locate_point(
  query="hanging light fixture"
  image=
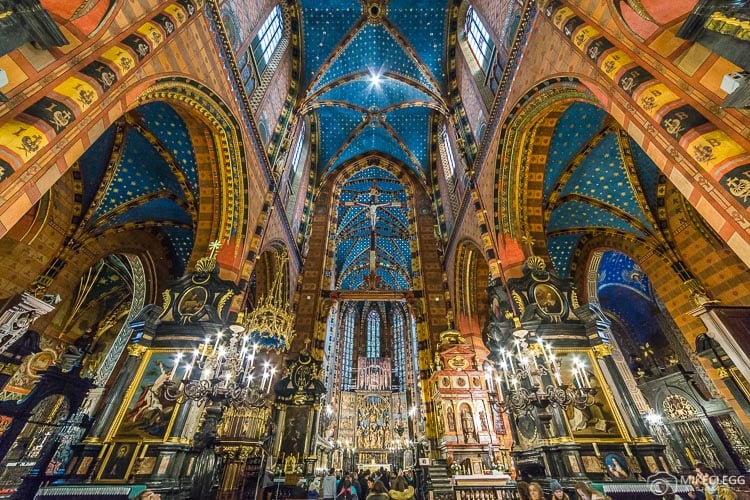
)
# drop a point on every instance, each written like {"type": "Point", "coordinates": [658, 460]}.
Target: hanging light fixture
{"type": "Point", "coordinates": [522, 371]}
{"type": "Point", "coordinates": [228, 373]}
{"type": "Point", "coordinates": [272, 320]}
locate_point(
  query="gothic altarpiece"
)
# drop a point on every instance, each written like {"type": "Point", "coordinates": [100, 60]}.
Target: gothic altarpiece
{"type": "Point", "coordinates": [373, 421]}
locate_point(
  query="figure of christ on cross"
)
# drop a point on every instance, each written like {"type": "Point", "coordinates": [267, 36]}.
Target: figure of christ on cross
{"type": "Point", "coordinates": [373, 205]}
{"type": "Point", "coordinates": [372, 211]}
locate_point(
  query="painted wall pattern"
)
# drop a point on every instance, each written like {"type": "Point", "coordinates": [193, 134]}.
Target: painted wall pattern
{"type": "Point", "coordinates": [717, 153]}
{"type": "Point", "coordinates": [25, 135]}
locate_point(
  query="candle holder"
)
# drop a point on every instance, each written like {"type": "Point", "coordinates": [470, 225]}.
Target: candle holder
{"type": "Point", "coordinates": [227, 374]}
{"type": "Point", "coordinates": [519, 386]}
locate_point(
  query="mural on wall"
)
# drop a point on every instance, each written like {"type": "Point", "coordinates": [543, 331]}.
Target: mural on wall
{"type": "Point", "coordinates": [148, 414]}
{"type": "Point", "coordinates": [86, 15]}
{"type": "Point", "coordinates": [27, 375]}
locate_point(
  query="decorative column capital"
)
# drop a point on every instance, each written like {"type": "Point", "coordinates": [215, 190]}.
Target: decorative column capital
{"type": "Point", "coordinates": [698, 293]}
{"type": "Point", "coordinates": [136, 350]}
{"type": "Point", "coordinates": [602, 350]}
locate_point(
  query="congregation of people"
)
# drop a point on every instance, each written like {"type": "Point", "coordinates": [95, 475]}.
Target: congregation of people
{"type": "Point", "coordinates": [386, 485]}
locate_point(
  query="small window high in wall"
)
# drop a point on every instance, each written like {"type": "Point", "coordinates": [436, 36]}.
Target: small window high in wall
{"type": "Point", "coordinates": [267, 39]}
{"type": "Point", "coordinates": [479, 40]}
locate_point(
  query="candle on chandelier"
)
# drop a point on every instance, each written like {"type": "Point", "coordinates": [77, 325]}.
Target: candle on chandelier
{"type": "Point", "coordinates": [252, 356]}
{"type": "Point", "coordinates": [544, 351]}
{"type": "Point", "coordinates": [577, 376]}
{"type": "Point", "coordinates": [585, 376]}
{"type": "Point", "coordinates": [270, 379]}
{"type": "Point", "coordinates": [500, 387]}
{"type": "Point", "coordinates": [189, 368]}
{"type": "Point", "coordinates": [205, 348]}
{"type": "Point", "coordinates": [176, 363]}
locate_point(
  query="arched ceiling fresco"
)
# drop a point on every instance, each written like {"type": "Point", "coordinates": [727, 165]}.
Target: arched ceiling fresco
{"type": "Point", "coordinates": [372, 240]}
{"type": "Point", "coordinates": [142, 173]}
{"type": "Point", "coordinates": [373, 73]}
{"type": "Point", "coordinates": [597, 181]}
{"type": "Point", "coordinates": [624, 292]}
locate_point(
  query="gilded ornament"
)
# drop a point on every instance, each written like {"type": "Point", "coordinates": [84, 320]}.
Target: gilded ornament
{"type": "Point", "coordinates": [602, 350]}
{"type": "Point", "coordinates": [536, 264]}
{"type": "Point", "coordinates": [136, 350]}
{"type": "Point", "coordinates": [519, 302]}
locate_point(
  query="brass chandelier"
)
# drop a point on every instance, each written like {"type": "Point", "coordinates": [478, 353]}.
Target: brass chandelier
{"type": "Point", "coordinates": [272, 320]}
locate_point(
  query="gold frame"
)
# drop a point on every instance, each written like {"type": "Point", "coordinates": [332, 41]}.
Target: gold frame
{"type": "Point", "coordinates": [589, 354]}
{"type": "Point", "coordinates": [130, 392]}
{"type": "Point", "coordinates": [108, 454]}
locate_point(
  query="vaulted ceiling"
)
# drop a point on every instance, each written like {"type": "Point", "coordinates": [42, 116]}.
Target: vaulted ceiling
{"type": "Point", "coordinates": [597, 181]}
{"type": "Point", "coordinates": [373, 74]}
{"type": "Point", "coordinates": [142, 173]}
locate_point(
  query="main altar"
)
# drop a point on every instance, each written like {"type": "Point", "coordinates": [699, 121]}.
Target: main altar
{"type": "Point", "coordinates": [372, 427]}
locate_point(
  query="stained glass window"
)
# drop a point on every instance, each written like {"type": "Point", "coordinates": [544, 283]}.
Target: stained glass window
{"type": "Point", "coordinates": [348, 350]}
{"type": "Point", "coordinates": [373, 334]}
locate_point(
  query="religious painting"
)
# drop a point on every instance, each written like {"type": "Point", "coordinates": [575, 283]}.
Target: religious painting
{"type": "Point", "coordinates": [598, 420]}
{"type": "Point", "coordinates": [148, 413]}
{"type": "Point", "coordinates": [192, 301]}
{"type": "Point", "coordinates": [548, 299]}
{"type": "Point", "coordinates": [617, 467]}
{"type": "Point", "coordinates": [83, 467]}
{"type": "Point", "coordinates": [527, 429]}
{"type": "Point", "coordinates": [573, 463]}
{"type": "Point", "coordinates": [164, 462]}
{"type": "Point", "coordinates": [118, 461]}
{"type": "Point", "coordinates": [295, 429]}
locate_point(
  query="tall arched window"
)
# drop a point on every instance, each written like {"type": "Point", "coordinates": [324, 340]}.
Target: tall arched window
{"type": "Point", "coordinates": [399, 348]}
{"type": "Point", "coordinates": [373, 334]}
{"type": "Point", "coordinates": [348, 350]}
{"type": "Point", "coordinates": [479, 40]}
{"type": "Point", "coordinates": [449, 167]}
{"type": "Point", "coordinates": [267, 39]}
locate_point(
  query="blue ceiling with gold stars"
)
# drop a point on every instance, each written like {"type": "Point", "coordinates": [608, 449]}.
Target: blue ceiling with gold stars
{"type": "Point", "coordinates": [625, 295]}
{"type": "Point", "coordinates": [597, 181]}
{"type": "Point", "coordinates": [372, 238]}
{"type": "Point", "coordinates": [373, 76]}
{"type": "Point", "coordinates": [142, 174]}
{"type": "Point", "coordinates": [373, 72]}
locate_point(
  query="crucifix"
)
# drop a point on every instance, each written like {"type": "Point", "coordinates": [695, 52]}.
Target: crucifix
{"type": "Point", "coordinates": [372, 211]}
